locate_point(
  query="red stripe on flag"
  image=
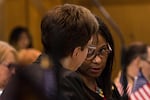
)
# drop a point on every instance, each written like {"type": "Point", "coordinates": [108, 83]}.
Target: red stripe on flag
{"type": "Point", "coordinates": [143, 93]}
{"type": "Point", "coordinates": [147, 90]}
{"type": "Point", "coordinates": [132, 97]}
{"type": "Point", "coordinates": [138, 95]}
{"type": "Point", "coordinates": [140, 92]}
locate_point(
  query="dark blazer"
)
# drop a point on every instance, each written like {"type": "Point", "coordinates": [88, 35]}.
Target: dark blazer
{"type": "Point", "coordinates": [73, 88]}
{"type": "Point", "coordinates": [32, 82]}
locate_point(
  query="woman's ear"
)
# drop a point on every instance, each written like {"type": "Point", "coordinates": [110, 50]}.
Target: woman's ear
{"type": "Point", "coordinates": [138, 61]}
{"type": "Point", "coordinates": [76, 52]}
{"type": "Point", "coordinates": [141, 63]}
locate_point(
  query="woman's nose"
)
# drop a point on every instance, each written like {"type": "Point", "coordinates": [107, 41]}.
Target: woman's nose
{"type": "Point", "coordinates": [97, 59]}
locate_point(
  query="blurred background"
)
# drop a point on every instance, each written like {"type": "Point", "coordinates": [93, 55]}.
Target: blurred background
{"type": "Point", "coordinates": [131, 16]}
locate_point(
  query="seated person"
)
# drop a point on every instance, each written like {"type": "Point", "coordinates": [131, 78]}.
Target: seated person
{"type": "Point", "coordinates": [141, 88]}
{"type": "Point", "coordinates": [28, 56]}
{"type": "Point", "coordinates": [20, 38]}
{"type": "Point", "coordinates": [131, 68]}
{"type": "Point", "coordinates": [8, 56]}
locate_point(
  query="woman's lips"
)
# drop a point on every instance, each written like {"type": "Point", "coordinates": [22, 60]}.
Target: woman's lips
{"type": "Point", "coordinates": [95, 70]}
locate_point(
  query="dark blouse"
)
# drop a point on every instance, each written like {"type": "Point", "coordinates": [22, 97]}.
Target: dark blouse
{"type": "Point", "coordinates": [73, 88]}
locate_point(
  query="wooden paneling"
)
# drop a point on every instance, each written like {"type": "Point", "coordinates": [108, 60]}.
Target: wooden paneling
{"type": "Point", "coordinates": [15, 14]}
{"type": "Point", "coordinates": [123, 2]}
{"type": "Point", "coordinates": [37, 8]}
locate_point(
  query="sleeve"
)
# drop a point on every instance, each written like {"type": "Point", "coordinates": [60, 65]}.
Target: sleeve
{"type": "Point", "coordinates": [70, 88]}
{"type": "Point", "coordinates": [22, 87]}
{"type": "Point", "coordinates": [11, 90]}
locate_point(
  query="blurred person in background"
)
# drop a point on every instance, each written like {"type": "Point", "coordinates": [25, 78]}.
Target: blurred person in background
{"type": "Point", "coordinates": [8, 56]}
{"type": "Point", "coordinates": [28, 56]}
{"type": "Point", "coordinates": [132, 65]}
{"type": "Point", "coordinates": [141, 88]}
{"type": "Point", "coordinates": [20, 38]}
{"type": "Point", "coordinates": [67, 33]}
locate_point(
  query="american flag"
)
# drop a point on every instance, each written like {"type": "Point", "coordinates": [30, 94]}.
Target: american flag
{"type": "Point", "coordinates": [141, 88]}
{"type": "Point", "coordinates": [143, 93]}
{"type": "Point", "coordinates": [140, 80]}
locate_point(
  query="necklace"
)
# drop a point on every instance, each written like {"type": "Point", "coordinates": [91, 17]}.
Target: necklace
{"type": "Point", "coordinates": [99, 91]}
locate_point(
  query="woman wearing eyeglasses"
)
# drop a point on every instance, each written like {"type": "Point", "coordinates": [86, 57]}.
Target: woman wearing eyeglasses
{"type": "Point", "coordinates": [8, 55]}
{"type": "Point", "coordinates": [93, 79]}
{"type": "Point", "coordinates": [97, 68]}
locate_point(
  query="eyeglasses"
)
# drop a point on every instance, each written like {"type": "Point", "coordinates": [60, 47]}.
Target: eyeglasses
{"type": "Point", "coordinates": [103, 51]}
{"type": "Point", "coordinates": [9, 66]}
